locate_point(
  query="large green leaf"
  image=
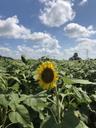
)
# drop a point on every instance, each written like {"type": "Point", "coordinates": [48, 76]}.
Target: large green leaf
{"type": "Point", "coordinates": [77, 81]}
{"type": "Point", "coordinates": [82, 125]}
{"type": "Point", "coordinates": [81, 95]}
{"type": "Point", "coordinates": [70, 120]}
{"type": "Point", "coordinates": [3, 83]}
{"type": "Point", "coordinates": [15, 87]}
{"type": "Point", "coordinates": [77, 94]}
{"type": "Point", "coordinates": [93, 97]}
{"type": "Point", "coordinates": [23, 112]}
{"type": "Point", "coordinates": [86, 98]}
{"type": "Point", "coordinates": [3, 100]}
{"type": "Point", "coordinates": [49, 123]}
{"type": "Point", "coordinates": [81, 81]}
{"type": "Point", "coordinates": [14, 101]}
{"type": "Point", "coordinates": [67, 80]}
{"type": "Point", "coordinates": [21, 115]}
{"type": "Point", "coordinates": [35, 103]}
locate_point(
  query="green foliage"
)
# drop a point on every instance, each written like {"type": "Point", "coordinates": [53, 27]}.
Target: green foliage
{"type": "Point", "coordinates": [23, 104]}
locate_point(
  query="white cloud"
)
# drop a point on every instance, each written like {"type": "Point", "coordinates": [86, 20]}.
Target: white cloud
{"type": "Point", "coordinates": [44, 1]}
{"type": "Point", "coordinates": [44, 42]}
{"type": "Point", "coordinates": [75, 30]}
{"type": "Point", "coordinates": [10, 28]}
{"type": "Point", "coordinates": [37, 52]}
{"type": "Point", "coordinates": [83, 46]}
{"type": "Point", "coordinates": [89, 44]}
{"type": "Point", "coordinates": [83, 2]}
{"type": "Point", "coordinates": [56, 12]}
{"type": "Point", "coordinates": [5, 51]}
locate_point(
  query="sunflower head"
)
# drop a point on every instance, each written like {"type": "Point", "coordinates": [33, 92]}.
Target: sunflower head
{"type": "Point", "coordinates": [46, 75]}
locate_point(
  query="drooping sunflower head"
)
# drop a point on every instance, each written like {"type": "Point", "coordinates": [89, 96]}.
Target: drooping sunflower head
{"type": "Point", "coordinates": [46, 75]}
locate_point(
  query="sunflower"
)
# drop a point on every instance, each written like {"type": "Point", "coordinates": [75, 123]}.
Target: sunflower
{"type": "Point", "coordinates": [46, 75]}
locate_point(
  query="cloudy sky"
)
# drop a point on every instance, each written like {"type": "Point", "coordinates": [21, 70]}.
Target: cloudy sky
{"type": "Point", "coordinates": [56, 28]}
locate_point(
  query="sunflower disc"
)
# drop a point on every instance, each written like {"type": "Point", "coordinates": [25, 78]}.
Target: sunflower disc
{"type": "Point", "coordinates": [46, 75]}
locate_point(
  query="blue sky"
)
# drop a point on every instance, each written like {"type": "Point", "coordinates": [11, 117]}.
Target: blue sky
{"type": "Point", "coordinates": [56, 28]}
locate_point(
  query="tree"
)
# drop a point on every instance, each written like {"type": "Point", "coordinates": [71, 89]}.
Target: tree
{"type": "Point", "coordinates": [75, 57]}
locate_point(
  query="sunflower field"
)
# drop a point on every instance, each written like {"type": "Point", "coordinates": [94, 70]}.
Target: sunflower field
{"type": "Point", "coordinates": [47, 93]}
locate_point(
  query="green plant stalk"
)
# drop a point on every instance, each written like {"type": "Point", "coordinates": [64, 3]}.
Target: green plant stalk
{"type": "Point", "coordinates": [9, 125]}
{"type": "Point", "coordinates": [1, 115]}
{"type": "Point", "coordinates": [57, 105]}
{"type": "Point", "coordinates": [51, 100]}
{"type": "Point", "coordinates": [5, 117]}
{"type": "Point", "coordinates": [53, 115]}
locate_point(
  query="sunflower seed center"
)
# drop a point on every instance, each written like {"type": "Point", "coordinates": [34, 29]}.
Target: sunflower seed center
{"type": "Point", "coordinates": [47, 75]}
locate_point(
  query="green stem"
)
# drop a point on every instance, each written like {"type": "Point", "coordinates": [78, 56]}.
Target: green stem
{"type": "Point", "coordinates": [9, 125]}
{"type": "Point", "coordinates": [53, 115]}
{"type": "Point", "coordinates": [57, 105]}
{"type": "Point", "coordinates": [0, 114]}
{"type": "Point", "coordinates": [51, 100]}
{"type": "Point", "coordinates": [5, 117]}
